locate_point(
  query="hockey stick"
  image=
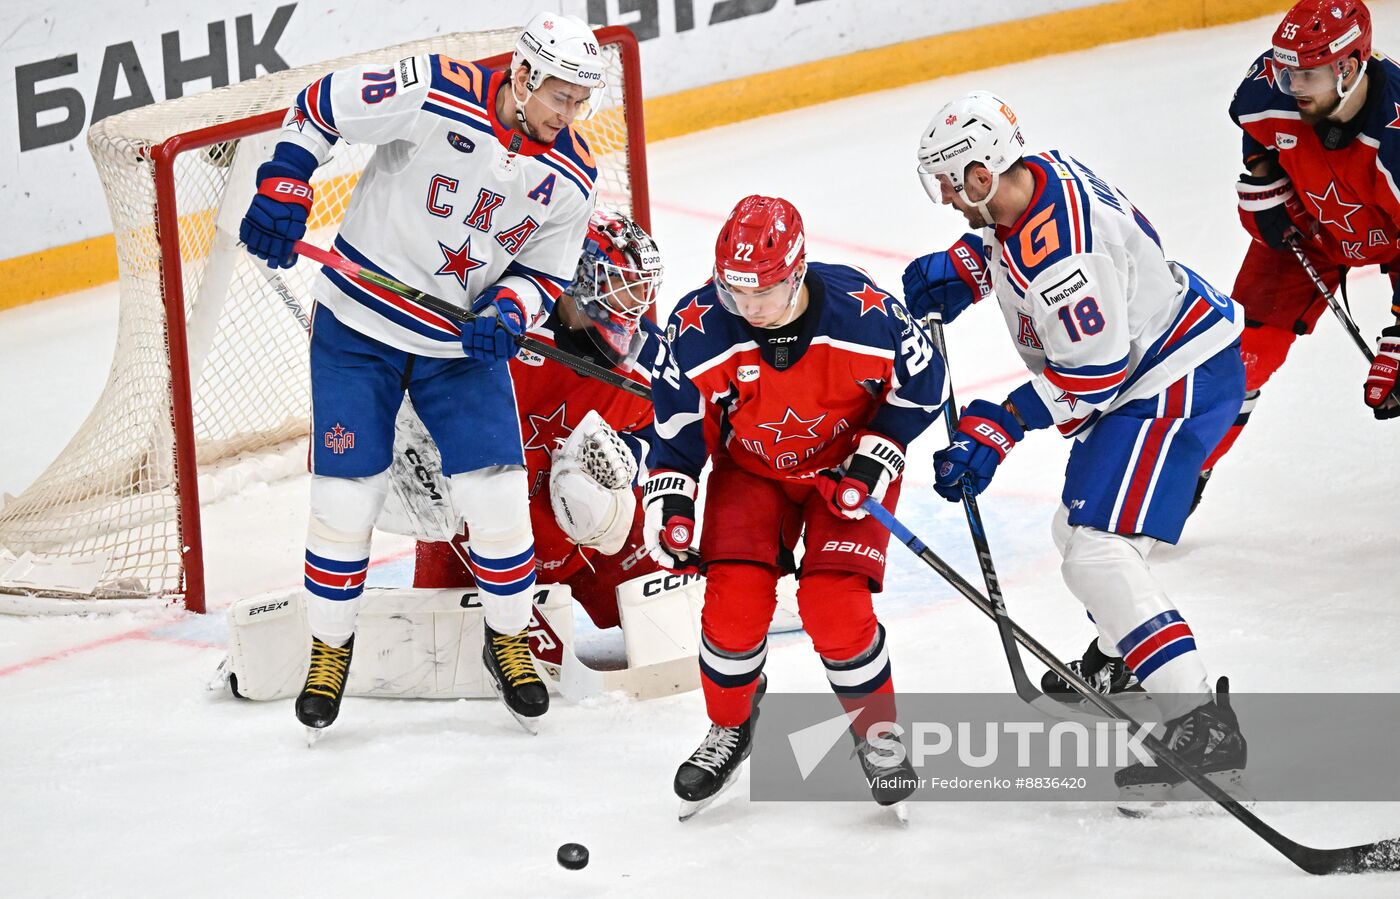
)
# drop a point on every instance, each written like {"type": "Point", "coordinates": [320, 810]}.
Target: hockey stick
{"type": "Point", "coordinates": [462, 316]}
{"type": "Point", "coordinates": [1024, 689]}
{"type": "Point", "coordinates": [419, 503]}
{"type": "Point", "coordinates": [1383, 855]}
{"type": "Point", "coordinates": [1342, 314]}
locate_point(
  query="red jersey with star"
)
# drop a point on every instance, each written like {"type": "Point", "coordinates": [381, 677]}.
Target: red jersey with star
{"type": "Point", "coordinates": [1350, 190]}
{"type": "Point", "coordinates": [788, 403]}
{"type": "Point", "coordinates": [552, 399]}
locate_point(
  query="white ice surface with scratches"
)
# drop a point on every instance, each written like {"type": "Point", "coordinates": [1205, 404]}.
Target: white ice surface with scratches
{"type": "Point", "coordinates": [121, 776]}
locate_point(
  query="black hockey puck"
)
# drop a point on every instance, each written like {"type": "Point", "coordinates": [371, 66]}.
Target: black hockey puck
{"type": "Point", "coordinates": [573, 856]}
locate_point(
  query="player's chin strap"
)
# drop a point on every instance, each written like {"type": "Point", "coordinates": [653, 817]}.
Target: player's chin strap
{"type": "Point", "coordinates": [520, 119]}
{"type": "Point", "coordinates": [987, 220]}
{"type": "Point", "coordinates": [1346, 93]}
{"type": "Point", "coordinates": [1383, 855]}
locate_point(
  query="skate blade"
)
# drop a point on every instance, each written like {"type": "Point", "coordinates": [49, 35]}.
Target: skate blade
{"type": "Point", "coordinates": [1179, 800]}
{"type": "Point", "coordinates": [901, 813]}
{"type": "Point", "coordinates": [531, 726]}
{"type": "Point", "coordinates": [313, 736]}
{"type": "Point", "coordinates": [690, 809]}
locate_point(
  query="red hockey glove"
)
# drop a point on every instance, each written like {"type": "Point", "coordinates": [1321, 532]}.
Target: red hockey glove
{"type": "Point", "coordinates": [1380, 383]}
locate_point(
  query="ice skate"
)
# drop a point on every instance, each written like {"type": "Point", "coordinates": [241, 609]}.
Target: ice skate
{"type": "Point", "coordinates": [1106, 674]}
{"type": "Point", "coordinates": [1209, 739]}
{"type": "Point", "coordinates": [319, 702]}
{"type": "Point", "coordinates": [714, 766]}
{"type": "Point", "coordinates": [511, 668]}
{"type": "Point", "coordinates": [890, 775]}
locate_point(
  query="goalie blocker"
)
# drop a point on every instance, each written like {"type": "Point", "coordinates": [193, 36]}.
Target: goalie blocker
{"type": "Point", "coordinates": [424, 644]}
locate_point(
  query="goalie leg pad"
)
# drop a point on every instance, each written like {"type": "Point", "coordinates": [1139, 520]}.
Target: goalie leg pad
{"type": "Point", "coordinates": [409, 644]}
{"type": "Point", "coordinates": [337, 551]}
{"type": "Point", "coordinates": [495, 502]}
{"type": "Point", "coordinates": [1135, 618]}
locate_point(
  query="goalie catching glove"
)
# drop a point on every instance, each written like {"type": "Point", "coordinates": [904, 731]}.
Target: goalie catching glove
{"type": "Point", "coordinates": [590, 486]}
{"type": "Point", "coordinates": [868, 471]}
{"type": "Point", "coordinates": [669, 527]}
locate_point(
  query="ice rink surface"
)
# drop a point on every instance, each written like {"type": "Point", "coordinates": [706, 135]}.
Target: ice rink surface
{"type": "Point", "coordinates": [120, 775]}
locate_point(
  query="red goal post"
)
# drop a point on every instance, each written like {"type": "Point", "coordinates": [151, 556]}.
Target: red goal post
{"type": "Point", "coordinates": [209, 387]}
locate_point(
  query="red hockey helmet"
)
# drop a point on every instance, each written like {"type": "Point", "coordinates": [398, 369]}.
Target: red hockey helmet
{"type": "Point", "coordinates": [1316, 32]}
{"type": "Point", "coordinates": [760, 246]}
{"type": "Point", "coordinates": [619, 272]}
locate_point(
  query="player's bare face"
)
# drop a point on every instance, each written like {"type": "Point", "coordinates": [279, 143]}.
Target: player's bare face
{"type": "Point", "coordinates": [950, 196]}
{"type": "Point", "coordinates": [554, 106]}
{"type": "Point", "coordinates": [766, 307]}
{"type": "Point", "coordinates": [1314, 90]}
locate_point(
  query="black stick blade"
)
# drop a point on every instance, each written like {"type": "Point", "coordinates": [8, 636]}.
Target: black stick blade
{"type": "Point", "coordinates": [1383, 855]}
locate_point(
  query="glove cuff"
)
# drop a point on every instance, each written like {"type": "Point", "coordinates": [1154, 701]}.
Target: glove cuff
{"type": "Point", "coordinates": [1033, 411]}
{"type": "Point", "coordinates": [665, 483]}
{"type": "Point", "coordinates": [880, 449]}
{"type": "Point", "coordinates": [1258, 192]}
{"type": "Point", "coordinates": [287, 190]}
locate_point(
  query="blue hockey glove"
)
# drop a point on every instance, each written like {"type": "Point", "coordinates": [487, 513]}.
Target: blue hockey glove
{"type": "Point", "coordinates": [277, 217]}
{"type": "Point", "coordinates": [500, 319]}
{"type": "Point", "coordinates": [986, 433]}
{"type": "Point", "coordinates": [946, 283]}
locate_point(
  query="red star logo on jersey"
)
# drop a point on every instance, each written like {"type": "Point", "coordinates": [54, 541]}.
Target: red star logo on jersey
{"type": "Point", "coordinates": [1266, 71]}
{"type": "Point", "coordinates": [1395, 122]}
{"type": "Point", "coordinates": [299, 118]}
{"type": "Point", "coordinates": [693, 316]}
{"type": "Point", "coordinates": [870, 298]}
{"type": "Point", "coordinates": [548, 430]}
{"type": "Point", "coordinates": [1331, 209]}
{"type": "Point", "coordinates": [458, 262]}
{"type": "Point", "coordinates": [794, 425]}
{"type": "Point", "coordinates": [1068, 399]}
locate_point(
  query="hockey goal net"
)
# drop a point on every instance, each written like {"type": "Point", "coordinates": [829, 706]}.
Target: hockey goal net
{"type": "Point", "coordinates": [209, 384]}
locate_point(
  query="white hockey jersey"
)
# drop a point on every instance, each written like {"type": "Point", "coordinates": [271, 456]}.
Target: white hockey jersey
{"type": "Point", "coordinates": [451, 202]}
{"type": "Point", "coordinates": [1099, 315]}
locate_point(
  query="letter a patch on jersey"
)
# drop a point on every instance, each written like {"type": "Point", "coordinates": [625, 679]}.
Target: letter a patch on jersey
{"type": "Point", "coordinates": [544, 191]}
{"type": "Point", "coordinates": [1026, 332]}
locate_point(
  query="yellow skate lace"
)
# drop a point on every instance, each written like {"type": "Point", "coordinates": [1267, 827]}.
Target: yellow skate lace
{"type": "Point", "coordinates": [512, 652]}
{"type": "Point", "coordinates": [329, 665]}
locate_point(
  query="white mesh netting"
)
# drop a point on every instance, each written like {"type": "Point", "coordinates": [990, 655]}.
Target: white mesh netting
{"type": "Point", "coordinates": [104, 519]}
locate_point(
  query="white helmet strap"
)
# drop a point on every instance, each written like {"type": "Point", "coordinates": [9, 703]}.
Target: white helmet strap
{"type": "Point", "coordinates": [981, 204]}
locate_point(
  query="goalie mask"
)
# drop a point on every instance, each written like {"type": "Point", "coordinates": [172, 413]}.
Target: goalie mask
{"type": "Point", "coordinates": [619, 273]}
